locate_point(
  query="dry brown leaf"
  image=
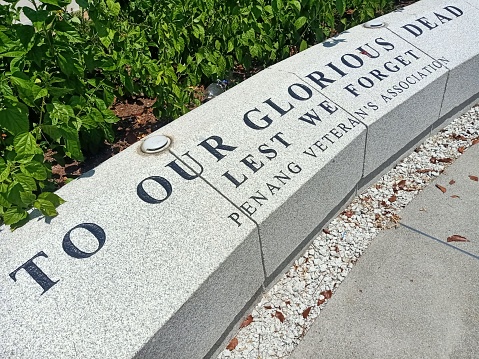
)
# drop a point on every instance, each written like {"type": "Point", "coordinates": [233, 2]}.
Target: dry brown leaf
{"type": "Point", "coordinates": [232, 344]}
{"type": "Point", "coordinates": [247, 321]}
{"type": "Point", "coordinates": [459, 137]}
{"type": "Point", "coordinates": [327, 294]}
{"type": "Point", "coordinates": [433, 160]}
{"type": "Point", "coordinates": [457, 238]}
{"type": "Point", "coordinates": [451, 182]}
{"type": "Point", "coordinates": [279, 315]}
{"type": "Point", "coordinates": [444, 160]}
{"type": "Point", "coordinates": [306, 312]}
{"type": "Point", "coordinates": [475, 142]}
{"type": "Point", "coordinates": [474, 178]}
{"type": "Point", "coordinates": [325, 230]}
{"type": "Point", "coordinates": [268, 307]}
{"type": "Point", "coordinates": [461, 149]}
{"type": "Point", "coordinates": [350, 11]}
{"type": "Point", "coordinates": [401, 184]}
{"type": "Point", "coordinates": [288, 302]}
{"type": "Point", "coordinates": [348, 214]}
{"type": "Point", "coordinates": [426, 170]}
{"type": "Point", "coordinates": [321, 301]}
{"type": "Point", "coordinates": [443, 189]}
{"type": "Point", "coordinates": [455, 196]}
{"type": "Point", "coordinates": [393, 198]}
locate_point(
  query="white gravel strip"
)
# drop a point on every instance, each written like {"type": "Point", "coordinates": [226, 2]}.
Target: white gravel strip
{"type": "Point", "coordinates": [287, 310]}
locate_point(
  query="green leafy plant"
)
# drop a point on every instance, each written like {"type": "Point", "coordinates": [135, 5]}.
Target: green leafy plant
{"type": "Point", "coordinates": [49, 102]}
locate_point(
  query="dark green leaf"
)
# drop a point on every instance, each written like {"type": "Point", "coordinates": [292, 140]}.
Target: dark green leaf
{"type": "Point", "coordinates": [27, 182]}
{"type": "Point", "coordinates": [54, 132]}
{"type": "Point", "coordinates": [303, 46]}
{"type": "Point", "coordinates": [13, 193]}
{"type": "Point", "coordinates": [4, 171]}
{"type": "Point", "coordinates": [27, 198]}
{"type": "Point", "coordinates": [14, 119]}
{"type": "Point", "coordinates": [46, 207]}
{"type": "Point", "coordinates": [14, 215]}
{"type": "Point", "coordinates": [25, 34]}
{"type": "Point", "coordinates": [299, 23]}
{"type": "Point", "coordinates": [34, 169]}
{"type": "Point", "coordinates": [25, 143]}
{"type": "Point", "coordinates": [72, 142]}
{"type": "Point", "coordinates": [52, 197]}
{"type": "Point", "coordinates": [28, 91]}
{"type": "Point", "coordinates": [35, 16]}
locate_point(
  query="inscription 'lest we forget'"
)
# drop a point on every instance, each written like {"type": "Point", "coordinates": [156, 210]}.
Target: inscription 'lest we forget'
{"type": "Point", "coordinates": [261, 117]}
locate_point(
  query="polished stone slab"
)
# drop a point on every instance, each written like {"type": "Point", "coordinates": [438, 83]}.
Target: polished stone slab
{"type": "Point", "coordinates": [280, 151]}
{"type": "Point", "coordinates": [445, 29]}
{"type": "Point", "coordinates": [139, 261]}
{"type": "Point", "coordinates": [393, 87]}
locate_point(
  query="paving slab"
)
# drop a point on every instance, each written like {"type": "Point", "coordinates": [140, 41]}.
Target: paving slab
{"type": "Point", "coordinates": [452, 212]}
{"type": "Point", "coordinates": [390, 85]}
{"type": "Point", "coordinates": [280, 151]}
{"type": "Point", "coordinates": [143, 263]}
{"type": "Point", "coordinates": [455, 24]}
{"type": "Point", "coordinates": [412, 294]}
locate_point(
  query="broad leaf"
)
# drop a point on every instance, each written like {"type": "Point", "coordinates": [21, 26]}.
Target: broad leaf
{"type": "Point", "coordinates": [341, 6]}
{"type": "Point", "coordinates": [25, 143]}
{"type": "Point", "coordinates": [27, 182]}
{"type": "Point", "coordinates": [25, 34]}
{"type": "Point", "coordinates": [46, 207]}
{"type": "Point", "coordinates": [35, 16]}
{"type": "Point", "coordinates": [34, 169]}
{"type": "Point", "coordinates": [27, 198]}
{"type": "Point", "coordinates": [52, 197]}
{"type": "Point", "coordinates": [299, 23]}
{"type": "Point", "coordinates": [14, 215]}
{"type": "Point", "coordinates": [14, 119]}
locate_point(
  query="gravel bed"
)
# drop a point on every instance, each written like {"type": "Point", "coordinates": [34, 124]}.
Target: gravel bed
{"type": "Point", "coordinates": [287, 310]}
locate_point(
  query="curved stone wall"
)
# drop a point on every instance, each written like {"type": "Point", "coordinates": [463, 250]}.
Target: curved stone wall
{"type": "Point", "coordinates": [160, 255]}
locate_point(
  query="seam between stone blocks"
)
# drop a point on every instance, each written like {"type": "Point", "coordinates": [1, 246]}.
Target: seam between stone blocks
{"type": "Point", "coordinates": [423, 234]}
{"type": "Point", "coordinates": [473, 5]}
{"type": "Point", "coordinates": [410, 43]}
{"type": "Point", "coordinates": [447, 78]}
{"type": "Point", "coordinates": [345, 110]}
{"type": "Point", "coordinates": [237, 207]}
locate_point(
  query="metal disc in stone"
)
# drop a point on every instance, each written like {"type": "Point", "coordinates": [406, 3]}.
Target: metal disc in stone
{"type": "Point", "coordinates": [155, 144]}
{"type": "Point", "coordinates": [373, 24]}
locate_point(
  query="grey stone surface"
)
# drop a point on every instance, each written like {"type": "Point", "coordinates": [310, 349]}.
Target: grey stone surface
{"type": "Point", "coordinates": [444, 29]}
{"type": "Point", "coordinates": [396, 108]}
{"type": "Point", "coordinates": [450, 215]}
{"type": "Point", "coordinates": [474, 3]}
{"type": "Point", "coordinates": [315, 178]}
{"type": "Point", "coordinates": [408, 297]}
{"type": "Point", "coordinates": [170, 277]}
{"type": "Point", "coordinates": [412, 294]}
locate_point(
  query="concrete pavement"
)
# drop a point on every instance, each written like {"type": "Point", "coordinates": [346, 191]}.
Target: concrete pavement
{"type": "Point", "coordinates": [412, 294]}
